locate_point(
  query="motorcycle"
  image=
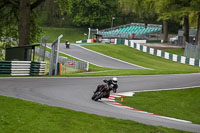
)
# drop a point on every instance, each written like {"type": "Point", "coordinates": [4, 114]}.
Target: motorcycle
{"type": "Point", "coordinates": [103, 91]}
{"type": "Point", "coordinates": [67, 44]}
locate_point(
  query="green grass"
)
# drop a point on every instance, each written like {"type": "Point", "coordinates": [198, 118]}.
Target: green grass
{"type": "Point", "coordinates": [24, 117]}
{"type": "Point", "coordinates": [125, 53]}
{"type": "Point", "coordinates": [182, 104]}
{"type": "Point", "coordinates": [178, 51]}
{"type": "Point", "coordinates": [71, 34]}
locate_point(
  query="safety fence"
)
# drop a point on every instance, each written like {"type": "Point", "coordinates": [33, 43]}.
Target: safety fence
{"type": "Point", "coordinates": [22, 68]}
{"type": "Point", "coordinates": [74, 63]}
{"type": "Point", "coordinates": [192, 51]}
{"type": "Point", "coordinates": [68, 63]}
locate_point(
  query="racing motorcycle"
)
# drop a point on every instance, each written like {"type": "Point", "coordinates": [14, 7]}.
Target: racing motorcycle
{"type": "Point", "coordinates": [67, 44]}
{"type": "Point", "coordinates": [103, 91]}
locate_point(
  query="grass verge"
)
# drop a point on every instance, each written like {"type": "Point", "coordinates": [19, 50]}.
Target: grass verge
{"type": "Point", "coordinates": [178, 51]}
{"type": "Point", "coordinates": [23, 116]}
{"type": "Point", "coordinates": [71, 34]}
{"type": "Point", "coordinates": [125, 53]}
{"type": "Point", "coordinates": [181, 104]}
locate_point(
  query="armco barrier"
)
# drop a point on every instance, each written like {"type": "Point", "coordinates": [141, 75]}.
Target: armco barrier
{"type": "Point", "coordinates": [173, 57]}
{"type": "Point", "coordinates": [163, 54]}
{"type": "Point", "coordinates": [22, 68]}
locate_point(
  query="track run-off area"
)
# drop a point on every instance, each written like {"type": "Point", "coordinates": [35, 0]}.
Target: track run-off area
{"type": "Point", "coordinates": [75, 93]}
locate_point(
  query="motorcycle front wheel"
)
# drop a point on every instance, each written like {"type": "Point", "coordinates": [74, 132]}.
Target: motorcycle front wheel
{"type": "Point", "coordinates": [95, 94]}
{"type": "Point", "coordinates": [98, 96]}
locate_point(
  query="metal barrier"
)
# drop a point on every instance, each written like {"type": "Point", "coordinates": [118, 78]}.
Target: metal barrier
{"type": "Point", "coordinates": [192, 51]}
{"type": "Point", "coordinates": [68, 62]}
{"type": "Point", "coordinates": [54, 56]}
{"type": "Point", "coordinates": [74, 63]}
{"type": "Point", "coordinates": [42, 51]}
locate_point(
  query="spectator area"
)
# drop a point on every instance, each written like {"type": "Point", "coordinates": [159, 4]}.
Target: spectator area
{"type": "Point", "coordinates": [130, 31]}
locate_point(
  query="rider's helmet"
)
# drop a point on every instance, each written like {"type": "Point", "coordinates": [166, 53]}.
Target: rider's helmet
{"type": "Point", "coordinates": [114, 80]}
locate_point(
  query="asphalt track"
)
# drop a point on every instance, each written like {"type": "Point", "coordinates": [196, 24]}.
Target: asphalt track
{"type": "Point", "coordinates": [75, 94]}
{"type": "Point", "coordinates": [96, 58]}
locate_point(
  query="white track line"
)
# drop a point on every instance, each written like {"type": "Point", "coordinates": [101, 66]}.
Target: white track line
{"type": "Point", "coordinates": [112, 57]}
{"type": "Point", "coordinates": [78, 58]}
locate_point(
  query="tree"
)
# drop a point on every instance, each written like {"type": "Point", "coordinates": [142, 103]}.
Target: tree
{"type": "Point", "coordinates": [8, 19]}
{"type": "Point", "coordinates": [25, 10]}
{"type": "Point", "coordinates": [164, 10]}
{"type": "Point", "coordinates": [196, 8]}
{"type": "Point", "coordinates": [24, 22]}
{"type": "Point", "coordinates": [24, 17]}
{"type": "Point", "coordinates": [93, 13]}
{"type": "Point", "coordinates": [183, 9]}
{"type": "Point", "coordinates": [150, 8]}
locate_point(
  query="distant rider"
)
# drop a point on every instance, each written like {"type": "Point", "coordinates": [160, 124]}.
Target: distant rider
{"type": "Point", "coordinates": [67, 43]}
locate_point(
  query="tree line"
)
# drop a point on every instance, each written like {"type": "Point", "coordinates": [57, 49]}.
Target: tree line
{"type": "Point", "coordinates": [166, 10]}
{"type": "Point", "coordinates": [19, 18]}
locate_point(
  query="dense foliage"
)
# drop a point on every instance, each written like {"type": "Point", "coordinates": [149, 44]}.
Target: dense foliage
{"type": "Point", "coordinates": [166, 10]}
{"type": "Point", "coordinates": [93, 13]}
{"type": "Point", "coordinates": [10, 20]}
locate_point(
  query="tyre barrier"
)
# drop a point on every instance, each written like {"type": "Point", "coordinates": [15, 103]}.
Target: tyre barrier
{"type": "Point", "coordinates": [22, 68]}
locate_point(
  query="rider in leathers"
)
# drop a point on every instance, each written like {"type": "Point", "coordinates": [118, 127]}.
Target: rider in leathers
{"type": "Point", "coordinates": [112, 85]}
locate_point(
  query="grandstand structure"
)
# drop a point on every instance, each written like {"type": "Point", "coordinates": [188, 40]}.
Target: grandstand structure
{"type": "Point", "coordinates": [132, 31]}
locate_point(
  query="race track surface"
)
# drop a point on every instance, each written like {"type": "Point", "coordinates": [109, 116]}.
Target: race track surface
{"type": "Point", "coordinates": [75, 94]}
{"type": "Point", "coordinates": [96, 58]}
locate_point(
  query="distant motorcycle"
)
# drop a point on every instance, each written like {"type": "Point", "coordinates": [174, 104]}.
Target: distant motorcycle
{"type": "Point", "coordinates": [67, 44]}
{"type": "Point", "coordinates": [103, 91]}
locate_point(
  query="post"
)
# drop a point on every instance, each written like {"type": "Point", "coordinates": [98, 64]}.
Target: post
{"type": "Point", "coordinates": [51, 59]}
{"type": "Point", "coordinates": [54, 53]}
{"type": "Point", "coordinates": [57, 53]}
{"type": "Point", "coordinates": [89, 33]}
{"type": "Point", "coordinates": [87, 67]}
{"type": "Point", "coordinates": [112, 22]}
{"type": "Point", "coordinates": [165, 31]}
{"type": "Point", "coordinates": [59, 68]}
{"type": "Point", "coordinates": [45, 45]}
{"type": "Point", "coordinates": [97, 31]}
